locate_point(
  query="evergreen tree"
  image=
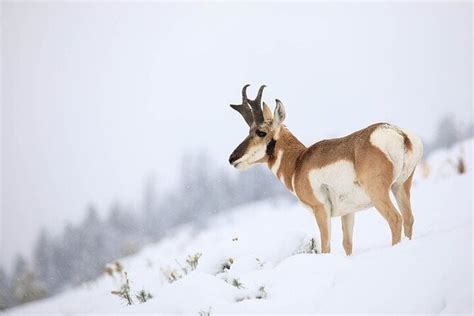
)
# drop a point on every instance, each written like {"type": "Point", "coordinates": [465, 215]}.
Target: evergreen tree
{"type": "Point", "coordinates": [68, 253]}
{"type": "Point", "coordinates": [151, 218]}
{"type": "Point", "coordinates": [43, 257]}
{"type": "Point", "coordinates": [25, 285]}
{"type": "Point", "coordinates": [447, 132]}
{"type": "Point", "coordinates": [125, 233]}
{"type": "Point", "coordinates": [5, 299]}
{"type": "Point", "coordinates": [91, 246]}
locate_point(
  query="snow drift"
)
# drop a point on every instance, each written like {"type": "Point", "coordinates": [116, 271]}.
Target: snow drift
{"type": "Point", "coordinates": [261, 258]}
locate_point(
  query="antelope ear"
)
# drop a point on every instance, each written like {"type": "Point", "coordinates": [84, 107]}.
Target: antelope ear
{"type": "Point", "coordinates": [267, 113]}
{"type": "Point", "coordinates": [279, 114]}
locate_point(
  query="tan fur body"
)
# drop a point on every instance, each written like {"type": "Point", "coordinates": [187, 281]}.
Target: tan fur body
{"type": "Point", "coordinates": [338, 177]}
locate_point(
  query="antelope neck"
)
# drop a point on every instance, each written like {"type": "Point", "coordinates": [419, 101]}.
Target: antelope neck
{"type": "Point", "coordinates": [287, 149]}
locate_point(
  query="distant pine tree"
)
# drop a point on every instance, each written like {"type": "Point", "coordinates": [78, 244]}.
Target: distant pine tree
{"type": "Point", "coordinates": [5, 299]}
{"type": "Point", "coordinates": [43, 257]}
{"type": "Point", "coordinates": [25, 286]}
{"type": "Point", "coordinates": [447, 132]}
{"type": "Point", "coordinates": [151, 220]}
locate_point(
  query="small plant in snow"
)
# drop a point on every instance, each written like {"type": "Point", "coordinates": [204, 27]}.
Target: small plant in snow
{"type": "Point", "coordinates": [183, 269]}
{"type": "Point", "coordinates": [261, 294]}
{"type": "Point", "coordinates": [459, 162]}
{"type": "Point", "coordinates": [237, 283]}
{"type": "Point", "coordinates": [308, 247]}
{"type": "Point", "coordinates": [312, 246]}
{"type": "Point", "coordinates": [118, 267]}
{"type": "Point", "coordinates": [260, 262]}
{"type": "Point", "coordinates": [115, 268]}
{"type": "Point", "coordinates": [205, 313]}
{"type": "Point", "coordinates": [109, 271]}
{"type": "Point", "coordinates": [143, 296]}
{"type": "Point", "coordinates": [459, 165]}
{"type": "Point", "coordinates": [193, 261]}
{"type": "Point", "coordinates": [124, 291]}
{"type": "Point", "coordinates": [171, 275]}
{"type": "Point", "coordinates": [227, 264]}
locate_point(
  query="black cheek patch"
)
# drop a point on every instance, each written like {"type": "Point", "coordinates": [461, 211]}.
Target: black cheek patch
{"type": "Point", "coordinates": [271, 148]}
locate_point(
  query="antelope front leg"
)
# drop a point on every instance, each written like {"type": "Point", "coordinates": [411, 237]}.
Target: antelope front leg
{"type": "Point", "coordinates": [324, 223]}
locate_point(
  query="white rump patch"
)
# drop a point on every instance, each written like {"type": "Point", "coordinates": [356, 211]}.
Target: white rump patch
{"type": "Point", "coordinates": [413, 158]}
{"type": "Point", "coordinates": [389, 139]}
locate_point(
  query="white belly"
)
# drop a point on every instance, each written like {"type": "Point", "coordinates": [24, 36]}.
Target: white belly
{"type": "Point", "coordinates": [336, 185]}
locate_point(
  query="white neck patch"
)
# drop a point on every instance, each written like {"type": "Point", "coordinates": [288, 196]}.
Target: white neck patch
{"type": "Point", "coordinates": [277, 163]}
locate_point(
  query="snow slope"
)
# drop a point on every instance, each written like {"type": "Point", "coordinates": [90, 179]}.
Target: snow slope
{"type": "Point", "coordinates": [266, 245]}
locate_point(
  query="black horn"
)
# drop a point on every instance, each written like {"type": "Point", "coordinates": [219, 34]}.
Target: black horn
{"type": "Point", "coordinates": [256, 106]}
{"type": "Point", "coordinates": [244, 108]}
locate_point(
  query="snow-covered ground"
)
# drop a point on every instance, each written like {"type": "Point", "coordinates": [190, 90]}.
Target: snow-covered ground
{"type": "Point", "coordinates": [258, 258]}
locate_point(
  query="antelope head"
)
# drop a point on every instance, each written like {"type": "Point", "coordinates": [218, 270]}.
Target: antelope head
{"type": "Point", "coordinates": [259, 145]}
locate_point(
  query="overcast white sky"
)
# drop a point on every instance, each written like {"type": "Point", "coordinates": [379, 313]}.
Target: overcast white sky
{"type": "Point", "coordinates": [95, 97]}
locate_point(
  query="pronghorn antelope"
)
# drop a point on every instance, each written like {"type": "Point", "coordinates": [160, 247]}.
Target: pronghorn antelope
{"type": "Point", "coordinates": [334, 177]}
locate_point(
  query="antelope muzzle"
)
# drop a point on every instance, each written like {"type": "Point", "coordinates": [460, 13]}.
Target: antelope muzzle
{"type": "Point", "coordinates": [238, 153]}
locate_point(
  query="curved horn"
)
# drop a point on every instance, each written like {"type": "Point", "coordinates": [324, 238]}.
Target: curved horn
{"type": "Point", "coordinates": [257, 106]}
{"type": "Point", "coordinates": [243, 108]}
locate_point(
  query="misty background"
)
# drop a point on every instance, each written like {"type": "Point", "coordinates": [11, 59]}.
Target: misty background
{"type": "Point", "coordinates": [115, 124]}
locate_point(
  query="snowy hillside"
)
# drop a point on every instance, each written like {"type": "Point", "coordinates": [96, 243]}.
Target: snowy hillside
{"type": "Point", "coordinates": [260, 258]}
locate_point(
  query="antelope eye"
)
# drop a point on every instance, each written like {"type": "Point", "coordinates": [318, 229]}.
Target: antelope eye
{"type": "Point", "coordinates": [261, 133]}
